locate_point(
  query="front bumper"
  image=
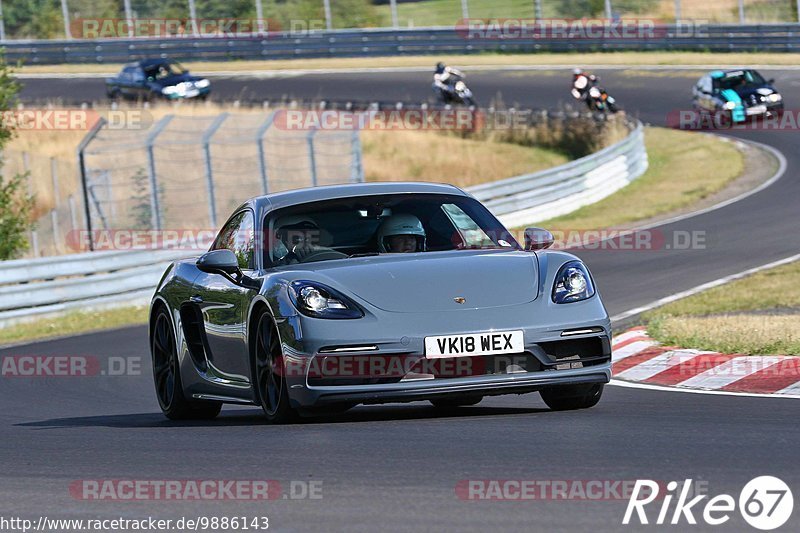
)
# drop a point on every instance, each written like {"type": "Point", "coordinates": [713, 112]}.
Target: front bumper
{"type": "Point", "coordinates": [411, 391]}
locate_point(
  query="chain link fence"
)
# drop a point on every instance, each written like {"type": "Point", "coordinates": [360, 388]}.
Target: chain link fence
{"type": "Point", "coordinates": [181, 173]}
{"type": "Point", "coordinates": [54, 21]}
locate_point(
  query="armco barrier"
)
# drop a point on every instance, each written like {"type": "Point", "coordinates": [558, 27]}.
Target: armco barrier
{"type": "Point", "coordinates": [387, 42]}
{"type": "Point", "coordinates": [42, 287]}
{"type": "Point", "coordinates": [535, 197]}
{"type": "Point", "coordinates": [37, 288]}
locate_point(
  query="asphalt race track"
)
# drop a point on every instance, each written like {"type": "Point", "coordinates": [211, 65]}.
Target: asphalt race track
{"type": "Point", "coordinates": [397, 467]}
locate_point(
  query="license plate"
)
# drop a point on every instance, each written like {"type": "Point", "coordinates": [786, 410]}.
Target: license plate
{"type": "Point", "coordinates": [757, 110]}
{"type": "Point", "coordinates": [472, 344]}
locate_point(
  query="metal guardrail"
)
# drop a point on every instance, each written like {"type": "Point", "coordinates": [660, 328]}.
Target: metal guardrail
{"type": "Point", "coordinates": [411, 41]}
{"type": "Point", "coordinates": [42, 287]}
{"type": "Point", "coordinates": [535, 197]}
{"type": "Point", "coordinates": [38, 288]}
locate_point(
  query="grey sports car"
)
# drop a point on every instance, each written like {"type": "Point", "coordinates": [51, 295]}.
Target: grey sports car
{"type": "Point", "coordinates": [316, 300]}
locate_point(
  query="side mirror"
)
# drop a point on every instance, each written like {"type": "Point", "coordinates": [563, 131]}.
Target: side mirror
{"type": "Point", "coordinates": [538, 239]}
{"type": "Point", "coordinates": [219, 261]}
{"type": "Point", "coordinates": [771, 81]}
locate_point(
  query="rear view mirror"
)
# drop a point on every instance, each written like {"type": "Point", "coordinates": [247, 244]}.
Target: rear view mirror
{"type": "Point", "coordinates": [219, 261]}
{"type": "Point", "coordinates": [538, 239]}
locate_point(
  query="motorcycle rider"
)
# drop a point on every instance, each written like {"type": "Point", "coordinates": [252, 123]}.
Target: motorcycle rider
{"type": "Point", "coordinates": [445, 78]}
{"type": "Point", "coordinates": [581, 83]}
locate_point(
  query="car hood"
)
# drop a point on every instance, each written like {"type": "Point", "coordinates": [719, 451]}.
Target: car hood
{"type": "Point", "coordinates": [761, 90]}
{"type": "Point", "coordinates": [408, 283]}
{"type": "Point", "coordinates": [169, 81]}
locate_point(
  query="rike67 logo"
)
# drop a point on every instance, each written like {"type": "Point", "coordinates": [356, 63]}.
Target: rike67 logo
{"type": "Point", "coordinates": [765, 503]}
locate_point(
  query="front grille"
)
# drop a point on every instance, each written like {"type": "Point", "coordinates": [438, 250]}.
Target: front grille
{"type": "Point", "coordinates": [576, 353]}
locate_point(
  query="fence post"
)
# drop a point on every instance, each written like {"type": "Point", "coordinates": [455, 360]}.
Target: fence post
{"type": "Point", "coordinates": [537, 9]}
{"type": "Point", "coordinates": [212, 202]}
{"type": "Point", "coordinates": [26, 168]}
{"type": "Point", "coordinates": [193, 18]}
{"type": "Point", "coordinates": [65, 14]}
{"type": "Point", "coordinates": [465, 9]}
{"type": "Point", "coordinates": [678, 15]}
{"type": "Point", "coordinates": [262, 160]}
{"type": "Point", "coordinates": [84, 184]}
{"type": "Point", "coordinates": [609, 12]}
{"type": "Point", "coordinates": [155, 207]}
{"type": "Point", "coordinates": [259, 18]}
{"type": "Point", "coordinates": [312, 157]}
{"type": "Point", "coordinates": [326, 4]}
{"type": "Point", "coordinates": [393, 9]}
{"type": "Point", "coordinates": [128, 17]}
{"type": "Point", "coordinates": [741, 12]}
{"type": "Point", "coordinates": [798, 10]}
{"type": "Point", "coordinates": [356, 168]}
{"type": "Point", "coordinates": [54, 223]}
{"type": "Point", "coordinates": [2, 24]}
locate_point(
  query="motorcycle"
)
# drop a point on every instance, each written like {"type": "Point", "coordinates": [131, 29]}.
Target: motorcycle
{"type": "Point", "coordinates": [599, 100]}
{"type": "Point", "coordinates": [456, 93]}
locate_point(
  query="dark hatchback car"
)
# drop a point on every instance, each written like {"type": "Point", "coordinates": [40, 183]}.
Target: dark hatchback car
{"type": "Point", "coordinates": [743, 93]}
{"type": "Point", "coordinates": [156, 78]}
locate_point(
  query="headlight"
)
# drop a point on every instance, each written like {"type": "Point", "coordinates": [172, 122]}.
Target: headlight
{"type": "Point", "coordinates": [202, 84]}
{"type": "Point", "coordinates": [594, 92]}
{"type": "Point", "coordinates": [573, 283]}
{"type": "Point", "coordinates": [730, 106]}
{"type": "Point", "coordinates": [169, 90]}
{"type": "Point", "coordinates": [775, 97]}
{"type": "Point", "coordinates": [319, 301]}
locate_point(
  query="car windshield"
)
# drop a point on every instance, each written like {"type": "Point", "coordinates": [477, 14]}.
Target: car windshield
{"type": "Point", "coordinates": [164, 70]}
{"type": "Point", "coordinates": [374, 225]}
{"type": "Point", "coordinates": [740, 78]}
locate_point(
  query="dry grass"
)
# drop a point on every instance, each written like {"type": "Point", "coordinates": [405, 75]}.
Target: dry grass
{"type": "Point", "coordinates": [74, 324]}
{"type": "Point", "coordinates": [750, 316]}
{"type": "Point", "coordinates": [685, 167]}
{"type": "Point", "coordinates": [746, 334]}
{"type": "Point", "coordinates": [487, 60]}
{"type": "Point", "coordinates": [431, 156]}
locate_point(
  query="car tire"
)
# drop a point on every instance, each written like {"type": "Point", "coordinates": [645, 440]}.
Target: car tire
{"type": "Point", "coordinates": [269, 373]}
{"type": "Point", "coordinates": [444, 403]}
{"type": "Point", "coordinates": [167, 376]}
{"type": "Point", "coordinates": [570, 397]}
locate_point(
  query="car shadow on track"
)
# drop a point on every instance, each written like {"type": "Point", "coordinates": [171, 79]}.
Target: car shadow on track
{"type": "Point", "coordinates": [252, 417]}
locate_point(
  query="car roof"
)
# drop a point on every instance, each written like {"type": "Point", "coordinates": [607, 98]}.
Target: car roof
{"type": "Point", "coordinates": [332, 192]}
{"type": "Point", "coordinates": [144, 63]}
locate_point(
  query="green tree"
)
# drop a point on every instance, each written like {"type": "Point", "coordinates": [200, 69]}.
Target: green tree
{"type": "Point", "coordinates": [16, 204]}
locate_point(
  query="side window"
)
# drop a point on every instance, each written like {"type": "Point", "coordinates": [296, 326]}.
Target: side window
{"type": "Point", "coordinates": [238, 236]}
{"type": "Point", "coordinates": [137, 74]}
{"type": "Point", "coordinates": [472, 235]}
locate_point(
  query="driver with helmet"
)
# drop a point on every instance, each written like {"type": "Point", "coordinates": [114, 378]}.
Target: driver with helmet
{"type": "Point", "coordinates": [401, 234]}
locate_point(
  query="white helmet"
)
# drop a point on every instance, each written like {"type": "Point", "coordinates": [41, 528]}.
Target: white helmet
{"type": "Point", "coordinates": [401, 225]}
{"type": "Point", "coordinates": [577, 71]}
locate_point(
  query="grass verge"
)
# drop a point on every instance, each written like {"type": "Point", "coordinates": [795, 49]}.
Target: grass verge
{"type": "Point", "coordinates": [754, 315]}
{"type": "Point", "coordinates": [622, 59]}
{"type": "Point", "coordinates": [74, 323]}
{"type": "Point", "coordinates": [431, 156]}
{"type": "Point", "coordinates": [685, 167]}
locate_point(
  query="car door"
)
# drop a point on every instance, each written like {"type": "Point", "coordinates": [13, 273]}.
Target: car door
{"type": "Point", "coordinates": [139, 87]}
{"type": "Point", "coordinates": [224, 302]}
